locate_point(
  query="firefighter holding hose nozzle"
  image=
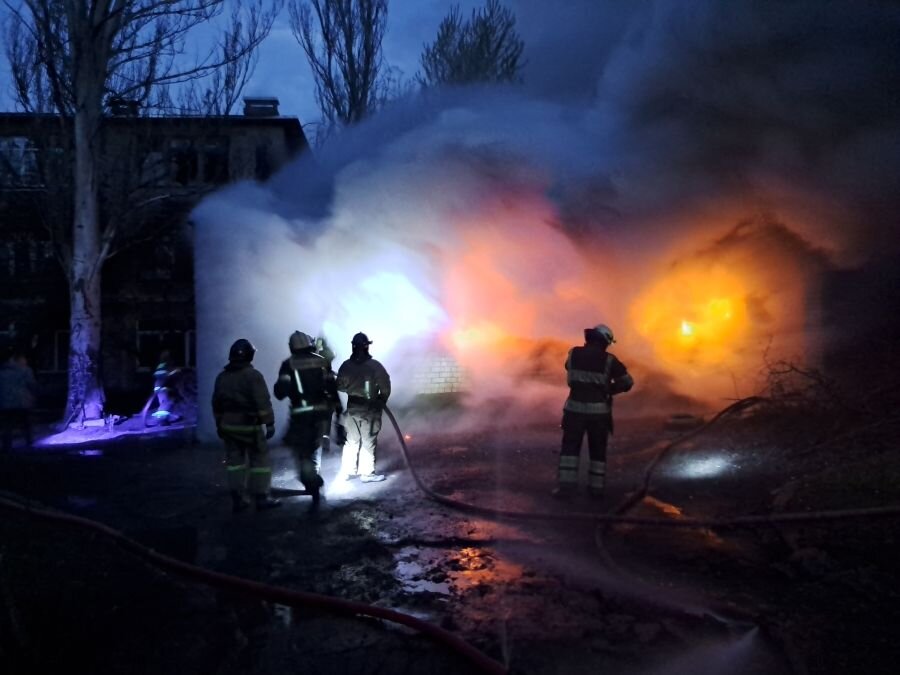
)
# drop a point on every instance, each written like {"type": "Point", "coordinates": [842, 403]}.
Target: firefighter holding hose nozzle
{"type": "Point", "coordinates": [368, 387]}
{"type": "Point", "coordinates": [594, 376]}
{"type": "Point", "coordinates": [307, 381]}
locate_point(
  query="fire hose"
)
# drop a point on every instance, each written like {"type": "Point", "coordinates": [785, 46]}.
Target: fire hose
{"type": "Point", "coordinates": [729, 615]}
{"type": "Point", "coordinates": [266, 592]}
{"type": "Point", "coordinates": [618, 518]}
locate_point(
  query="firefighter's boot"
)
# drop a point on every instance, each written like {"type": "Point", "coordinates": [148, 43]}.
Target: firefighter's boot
{"type": "Point", "coordinates": [239, 502]}
{"type": "Point", "coordinates": [265, 502]}
{"type": "Point", "coordinates": [316, 492]}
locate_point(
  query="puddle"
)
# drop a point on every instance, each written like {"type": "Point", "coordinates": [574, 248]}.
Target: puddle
{"type": "Point", "coordinates": [445, 572]}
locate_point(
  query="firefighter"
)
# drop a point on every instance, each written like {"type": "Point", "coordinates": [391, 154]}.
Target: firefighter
{"type": "Point", "coordinates": [594, 376]}
{"type": "Point", "coordinates": [368, 387]}
{"type": "Point", "coordinates": [245, 421]}
{"type": "Point", "coordinates": [18, 392]}
{"type": "Point", "coordinates": [307, 381]}
{"type": "Point", "coordinates": [164, 381]}
{"type": "Point", "coordinates": [323, 350]}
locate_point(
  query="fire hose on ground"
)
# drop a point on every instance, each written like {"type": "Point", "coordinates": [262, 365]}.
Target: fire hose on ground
{"type": "Point", "coordinates": [618, 518]}
{"type": "Point", "coordinates": [266, 592]}
{"type": "Point", "coordinates": [729, 615]}
{"type": "Point", "coordinates": [341, 607]}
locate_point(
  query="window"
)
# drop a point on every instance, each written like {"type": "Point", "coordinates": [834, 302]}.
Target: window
{"type": "Point", "coordinates": [215, 160]}
{"type": "Point", "coordinates": [8, 259]}
{"type": "Point", "coordinates": [158, 262]}
{"type": "Point", "coordinates": [18, 162]}
{"type": "Point", "coordinates": [154, 336]}
{"type": "Point", "coordinates": [263, 164]}
{"type": "Point", "coordinates": [183, 161]}
{"type": "Point", "coordinates": [190, 348]}
{"type": "Point", "coordinates": [60, 361]}
{"type": "Point", "coordinates": [154, 167]}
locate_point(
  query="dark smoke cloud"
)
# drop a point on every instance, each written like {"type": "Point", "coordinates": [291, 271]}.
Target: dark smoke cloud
{"type": "Point", "coordinates": [769, 99]}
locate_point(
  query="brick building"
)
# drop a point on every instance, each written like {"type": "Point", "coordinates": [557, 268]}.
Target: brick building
{"type": "Point", "coordinates": [153, 170]}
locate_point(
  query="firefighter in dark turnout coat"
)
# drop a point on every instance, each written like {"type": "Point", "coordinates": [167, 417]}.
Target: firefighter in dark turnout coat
{"type": "Point", "coordinates": [308, 382]}
{"type": "Point", "coordinates": [368, 387]}
{"type": "Point", "coordinates": [594, 376]}
{"type": "Point", "coordinates": [245, 420]}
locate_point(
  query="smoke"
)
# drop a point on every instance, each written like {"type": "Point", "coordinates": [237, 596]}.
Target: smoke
{"type": "Point", "coordinates": [689, 186]}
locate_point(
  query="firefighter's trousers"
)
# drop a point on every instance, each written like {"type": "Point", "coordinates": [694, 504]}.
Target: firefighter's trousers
{"type": "Point", "coordinates": [358, 457]}
{"type": "Point", "coordinates": [247, 460]}
{"type": "Point", "coordinates": [304, 437]}
{"type": "Point", "coordinates": [575, 425]}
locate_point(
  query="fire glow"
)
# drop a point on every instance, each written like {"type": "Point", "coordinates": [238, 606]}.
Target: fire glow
{"type": "Point", "coordinates": [696, 315]}
{"type": "Point", "coordinates": [436, 250]}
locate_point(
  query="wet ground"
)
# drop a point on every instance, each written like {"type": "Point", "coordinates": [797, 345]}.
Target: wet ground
{"type": "Point", "coordinates": [541, 596]}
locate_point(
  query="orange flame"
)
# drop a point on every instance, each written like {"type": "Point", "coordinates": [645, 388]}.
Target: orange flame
{"type": "Point", "coordinates": [695, 315]}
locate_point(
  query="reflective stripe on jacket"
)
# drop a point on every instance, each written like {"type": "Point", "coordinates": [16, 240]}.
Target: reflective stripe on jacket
{"type": "Point", "coordinates": [594, 376]}
{"type": "Point", "coordinates": [307, 381]}
{"type": "Point", "coordinates": [364, 380]}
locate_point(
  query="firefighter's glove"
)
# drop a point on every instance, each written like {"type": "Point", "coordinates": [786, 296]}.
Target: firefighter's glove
{"type": "Point", "coordinates": [340, 434]}
{"type": "Point", "coordinates": [270, 430]}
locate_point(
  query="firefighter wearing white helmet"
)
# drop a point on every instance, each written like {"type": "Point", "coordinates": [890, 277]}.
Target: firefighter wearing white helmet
{"type": "Point", "coordinates": [594, 376]}
{"type": "Point", "coordinates": [306, 379]}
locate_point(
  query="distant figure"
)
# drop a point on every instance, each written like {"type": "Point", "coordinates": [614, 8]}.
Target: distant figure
{"type": "Point", "coordinates": [594, 376]}
{"type": "Point", "coordinates": [18, 393]}
{"type": "Point", "coordinates": [164, 381]}
{"type": "Point", "coordinates": [245, 420]}
{"type": "Point", "coordinates": [306, 380]}
{"type": "Point", "coordinates": [368, 388]}
{"type": "Point", "coordinates": [323, 350]}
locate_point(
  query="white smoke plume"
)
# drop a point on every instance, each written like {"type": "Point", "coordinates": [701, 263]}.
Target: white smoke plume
{"type": "Point", "coordinates": [689, 186]}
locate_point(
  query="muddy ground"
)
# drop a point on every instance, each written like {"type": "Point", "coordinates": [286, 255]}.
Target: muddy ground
{"type": "Point", "coordinates": [539, 596]}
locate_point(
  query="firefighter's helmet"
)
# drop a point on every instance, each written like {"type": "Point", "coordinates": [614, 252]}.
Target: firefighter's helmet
{"type": "Point", "coordinates": [300, 342]}
{"type": "Point", "coordinates": [600, 332]}
{"type": "Point", "coordinates": [360, 339]}
{"type": "Point", "coordinates": [241, 351]}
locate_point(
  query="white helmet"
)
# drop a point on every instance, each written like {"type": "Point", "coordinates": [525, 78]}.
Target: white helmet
{"type": "Point", "coordinates": [599, 331]}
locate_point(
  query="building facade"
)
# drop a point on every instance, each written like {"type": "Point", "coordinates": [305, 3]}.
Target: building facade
{"type": "Point", "coordinates": [152, 172]}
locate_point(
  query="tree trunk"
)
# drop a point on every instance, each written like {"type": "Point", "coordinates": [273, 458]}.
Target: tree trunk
{"type": "Point", "coordinates": [85, 399]}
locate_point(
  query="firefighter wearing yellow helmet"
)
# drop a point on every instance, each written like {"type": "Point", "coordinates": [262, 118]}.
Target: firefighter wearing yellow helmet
{"type": "Point", "coordinates": [594, 376]}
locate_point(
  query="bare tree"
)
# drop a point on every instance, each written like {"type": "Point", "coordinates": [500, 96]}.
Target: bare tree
{"type": "Point", "coordinates": [72, 57]}
{"type": "Point", "coordinates": [342, 41]}
{"type": "Point", "coordinates": [484, 48]}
